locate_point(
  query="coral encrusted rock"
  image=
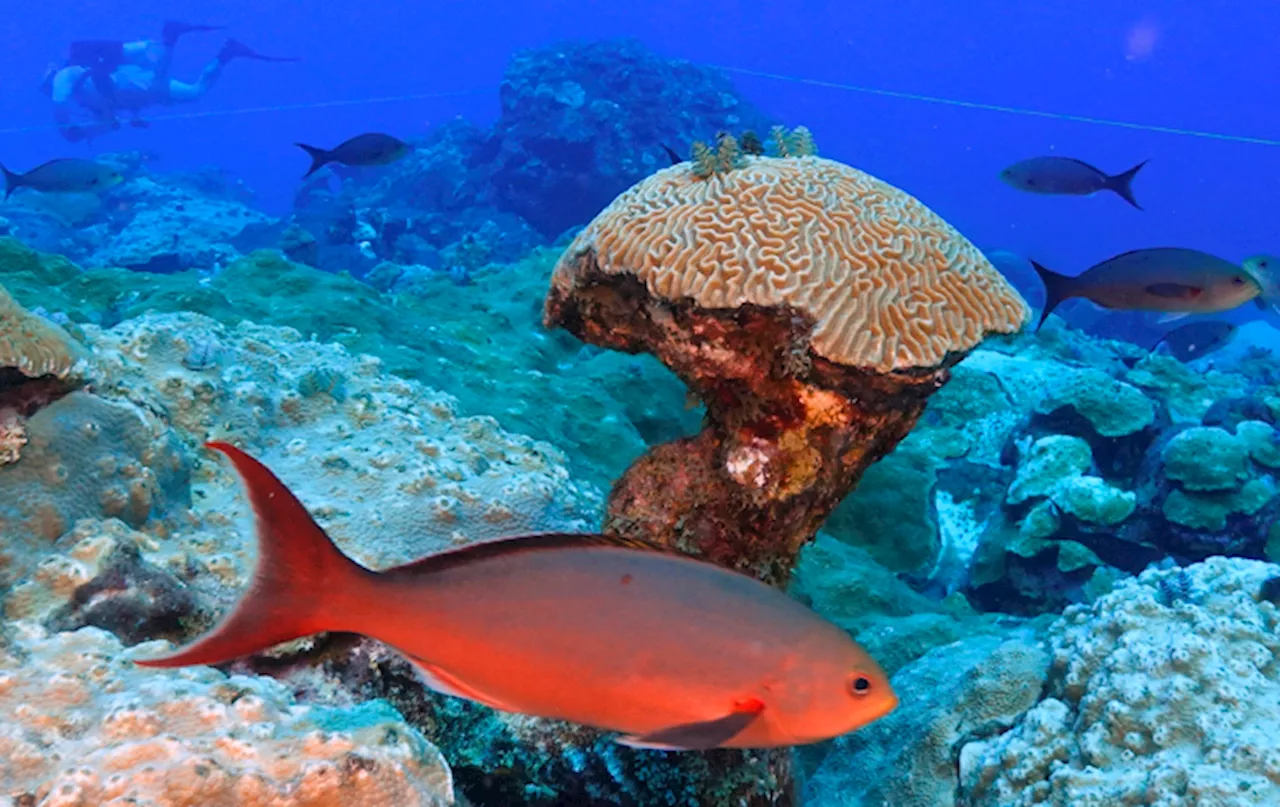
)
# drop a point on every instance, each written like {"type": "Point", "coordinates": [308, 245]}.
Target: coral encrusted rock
{"type": "Point", "coordinates": [813, 308]}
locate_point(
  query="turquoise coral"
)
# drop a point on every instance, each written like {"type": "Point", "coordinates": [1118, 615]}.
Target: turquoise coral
{"type": "Point", "coordinates": [1113, 408]}
{"type": "Point", "coordinates": [1263, 442]}
{"type": "Point", "coordinates": [1210, 510]}
{"type": "Point", "coordinates": [1049, 461]}
{"type": "Point", "coordinates": [1207, 459]}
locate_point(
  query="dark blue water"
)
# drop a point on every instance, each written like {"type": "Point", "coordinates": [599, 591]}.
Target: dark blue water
{"type": "Point", "coordinates": [1174, 64]}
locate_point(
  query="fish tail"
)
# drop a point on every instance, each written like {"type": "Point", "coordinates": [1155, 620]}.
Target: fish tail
{"type": "Point", "coordinates": [12, 182]}
{"type": "Point", "coordinates": [1056, 289]}
{"type": "Point", "coordinates": [302, 584]}
{"type": "Point", "coordinates": [1120, 183]}
{"type": "Point", "coordinates": [319, 158]}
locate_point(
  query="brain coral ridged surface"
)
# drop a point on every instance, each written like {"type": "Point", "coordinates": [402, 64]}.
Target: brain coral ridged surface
{"type": "Point", "coordinates": [81, 726]}
{"type": "Point", "coordinates": [888, 283]}
{"type": "Point", "coordinates": [33, 345]}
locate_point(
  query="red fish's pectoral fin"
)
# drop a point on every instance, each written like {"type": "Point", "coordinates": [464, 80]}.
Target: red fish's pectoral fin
{"type": "Point", "coordinates": [698, 736]}
{"type": "Point", "coordinates": [1175, 291]}
{"type": "Point", "coordinates": [448, 684]}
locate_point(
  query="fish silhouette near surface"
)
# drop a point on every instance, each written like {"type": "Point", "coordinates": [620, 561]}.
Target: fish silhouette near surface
{"type": "Point", "coordinates": [1172, 280]}
{"type": "Point", "coordinates": [69, 175]}
{"type": "Point", "coordinates": [1196, 339]}
{"type": "Point", "coordinates": [1067, 176]}
{"type": "Point", "coordinates": [368, 149]}
{"type": "Point", "coordinates": [671, 652]}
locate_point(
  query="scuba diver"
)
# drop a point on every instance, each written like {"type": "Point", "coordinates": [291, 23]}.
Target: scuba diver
{"type": "Point", "coordinates": [103, 78]}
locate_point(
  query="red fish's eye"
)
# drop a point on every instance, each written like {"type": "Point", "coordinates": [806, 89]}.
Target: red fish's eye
{"type": "Point", "coordinates": [1239, 281]}
{"type": "Point", "coordinates": [860, 685]}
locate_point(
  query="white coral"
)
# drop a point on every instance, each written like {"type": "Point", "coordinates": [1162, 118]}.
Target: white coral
{"type": "Point", "coordinates": [81, 725]}
{"type": "Point", "coordinates": [387, 465]}
{"type": "Point", "coordinates": [1167, 693]}
{"type": "Point", "coordinates": [13, 436]}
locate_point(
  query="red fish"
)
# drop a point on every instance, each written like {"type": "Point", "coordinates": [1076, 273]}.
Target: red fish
{"type": "Point", "coordinates": [669, 651]}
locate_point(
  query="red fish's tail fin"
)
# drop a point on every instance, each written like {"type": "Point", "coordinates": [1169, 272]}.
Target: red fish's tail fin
{"type": "Point", "coordinates": [1056, 289]}
{"type": "Point", "coordinates": [302, 584]}
{"type": "Point", "coordinates": [319, 158]}
{"type": "Point", "coordinates": [1120, 183]}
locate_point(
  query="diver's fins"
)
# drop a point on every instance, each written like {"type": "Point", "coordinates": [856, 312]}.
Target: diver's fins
{"type": "Point", "coordinates": [698, 736]}
{"type": "Point", "coordinates": [173, 29]}
{"type": "Point", "coordinates": [235, 49]}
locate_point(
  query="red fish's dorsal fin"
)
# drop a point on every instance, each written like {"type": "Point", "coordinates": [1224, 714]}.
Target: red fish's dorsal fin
{"type": "Point", "coordinates": [299, 585]}
{"type": "Point", "coordinates": [535, 542]}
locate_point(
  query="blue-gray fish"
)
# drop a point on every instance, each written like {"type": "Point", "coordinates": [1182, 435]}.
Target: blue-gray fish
{"type": "Point", "coordinates": [1196, 339]}
{"type": "Point", "coordinates": [1169, 279]}
{"type": "Point", "coordinates": [372, 148]}
{"type": "Point", "coordinates": [1063, 175]}
{"type": "Point", "coordinates": [68, 175]}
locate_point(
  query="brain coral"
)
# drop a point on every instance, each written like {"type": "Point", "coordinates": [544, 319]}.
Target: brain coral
{"type": "Point", "coordinates": [888, 283]}
{"type": "Point", "coordinates": [35, 346]}
{"type": "Point", "coordinates": [1165, 691]}
{"type": "Point", "coordinates": [81, 726]}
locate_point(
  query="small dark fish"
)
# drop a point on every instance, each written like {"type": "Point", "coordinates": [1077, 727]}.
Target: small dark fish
{"type": "Point", "coordinates": [1063, 175]}
{"type": "Point", "coordinates": [361, 150]}
{"type": "Point", "coordinates": [63, 176]}
{"type": "Point", "coordinates": [1195, 339]}
{"type": "Point", "coordinates": [675, 158]}
{"type": "Point", "coordinates": [1174, 280]}
{"type": "Point", "coordinates": [751, 144]}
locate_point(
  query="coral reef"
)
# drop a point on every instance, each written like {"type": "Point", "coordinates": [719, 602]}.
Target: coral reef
{"type": "Point", "coordinates": [152, 222]}
{"type": "Point", "coordinates": [1163, 691]}
{"type": "Point", "coordinates": [87, 457]}
{"type": "Point", "coordinates": [479, 343]}
{"type": "Point", "coordinates": [390, 360]}
{"type": "Point", "coordinates": [581, 122]}
{"type": "Point", "coordinates": [32, 348]}
{"type": "Point", "coordinates": [961, 692]}
{"type": "Point", "coordinates": [99, 576]}
{"type": "Point", "coordinates": [393, 470]}
{"type": "Point", "coordinates": [80, 726]}
{"type": "Point", "coordinates": [808, 374]}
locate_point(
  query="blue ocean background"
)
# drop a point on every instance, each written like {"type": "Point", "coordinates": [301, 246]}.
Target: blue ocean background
{"type": "Point", "coordinates": [952, 549]}
{"type": "Point", "coordinates": [1177, 64]}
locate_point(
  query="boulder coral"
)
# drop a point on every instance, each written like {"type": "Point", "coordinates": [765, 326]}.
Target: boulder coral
{"type": "Point", "coordinates": [812, 308]}
{"type": "Point", "coordinates": [81, 726]}
{"type": "Point", "coordinates": [1164, 691]}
